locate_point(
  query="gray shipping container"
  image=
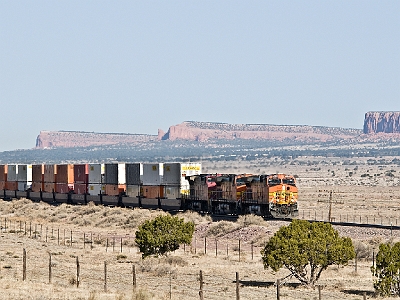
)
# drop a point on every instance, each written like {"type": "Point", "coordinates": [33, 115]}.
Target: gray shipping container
{"type": "Point", "coordinates": [133, 173]}
{"type": "Point", "coordinates": [95, 173]}
{"type": "Point", "coordinates": [110, 174]}
{"type": "Point", "coordinates": [12, 174]}
{"type": "Point", "coordinates": [25, 173]}
{"type": "Point", "coordinates": [152, 174]}
{"type": "Point", "coordinates": [172, 173]}
{"type": "Point", "coordinates": [133, 190]}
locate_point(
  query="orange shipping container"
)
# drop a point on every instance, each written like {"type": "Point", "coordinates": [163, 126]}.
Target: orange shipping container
{"type": "Point", "coordinates": [65, 174]}
{"type": "Point", "coordinates": [11, 185]}
{"type": "Point", "coordinates": [153, 191]}
{"type": "Point", "coordinates": [49, 187]}
{"type": "Point", "coordinates": [111, 189]}
{"type": "Point", "coordinates": [37, 186]}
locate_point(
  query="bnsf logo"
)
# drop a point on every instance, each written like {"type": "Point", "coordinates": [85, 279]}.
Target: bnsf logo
{"type": "Point", "coordinates": [191, 168]}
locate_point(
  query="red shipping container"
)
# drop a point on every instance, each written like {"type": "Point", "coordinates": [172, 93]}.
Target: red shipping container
{"type": "Point", "coordinates": [62, 188]}
{"type": "Point", "coordinates": [49, 187]}
{"type": "Point", "coordinates": [65, 174]}
{"type": "Point", "coordinates": [111, 189]}
{"type": "Point", "coordinates": [80, 188]}
{"type": "Point", "coordinates": [49, 172]}
{"type": "Point", "coordinates": [3, 172]}
{"type": "Point", "coordinates": [37, 186]}
{"type": "Point", "coordinates": [153, 191]}
{"type": "Point", "coordinates": [37, 172]}
{"type": "Point", "coordinates": [12, 185]}
{"type": "Point", "coordinates": [2, 185]}
{"type": "Point", "coordinates": [80, 173]}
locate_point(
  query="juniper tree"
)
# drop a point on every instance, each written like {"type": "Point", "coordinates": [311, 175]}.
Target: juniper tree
{"type": "Point", "coordinates": [306, 250]}
{"type": "Point", "coordinates": [163, 234]}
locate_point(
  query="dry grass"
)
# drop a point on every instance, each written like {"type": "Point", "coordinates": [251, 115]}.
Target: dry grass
{"type": "Point", "coordinates": [368, 197]}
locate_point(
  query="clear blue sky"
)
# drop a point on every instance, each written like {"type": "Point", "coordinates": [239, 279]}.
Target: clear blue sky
{"type": "Point", "coordinates": [136, 66]}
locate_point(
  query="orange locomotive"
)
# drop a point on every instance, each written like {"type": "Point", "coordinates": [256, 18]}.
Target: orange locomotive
{"type": "Point", "coordinates": [267, 195]}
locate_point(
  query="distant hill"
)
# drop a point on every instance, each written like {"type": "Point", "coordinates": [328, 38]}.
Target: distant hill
{"type": "Point", "coordinates": [377, 126]}
{"type": "Point", "coordinates": [71, 139]}
{"type": "Point", "coordinates": [203, 131]}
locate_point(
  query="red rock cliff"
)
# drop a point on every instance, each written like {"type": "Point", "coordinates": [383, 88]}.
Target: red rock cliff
{"type": "Point", "coordinates": [202, 131]}
{"type": "Point", "coordinates": [382, 121]}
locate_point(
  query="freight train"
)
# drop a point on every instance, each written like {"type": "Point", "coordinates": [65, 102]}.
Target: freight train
{"type": "Point", "coordinates": [167, 186]}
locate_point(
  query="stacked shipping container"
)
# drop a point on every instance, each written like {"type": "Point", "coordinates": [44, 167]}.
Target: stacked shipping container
{"type": "Point", "coordinates": [37, 178]}
{"type": "Point", "coordinates": [12, 181]}
{"type": "Point", "coordinates": [64, 178]}
{"type": "Point", "coordinates": [24, 177]}
{"type": "Point", "coordinates": [133, 173]}
{"type": "Point", "coordinates": [80, 179]}
{"type": "Point", "coordinates": [3, 176]}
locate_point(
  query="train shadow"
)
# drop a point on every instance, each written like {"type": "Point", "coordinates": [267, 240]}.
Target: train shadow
{"type": "Point", "coordinates": [359, 292]}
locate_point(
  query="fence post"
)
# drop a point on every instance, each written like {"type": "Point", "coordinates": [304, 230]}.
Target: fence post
{"type": "Point", "coordinates": [77, 271]}
{"type": "Point", "coordinates": [30, 229]}
{"type": "Point", "coordinates": [24, 265]}
{"type": "Point", "coordinates": [84, 240]}
{"type": "Point", "coordinates": [35, 230]}
{"type": "Point", "coordinates": [237, 286]}
{"type": "Point", "coordinates": [133, 276]}
{"type": "Point", "coordinates": [355, 265]}
{"type": "Point", "coordinates": [252, 250]}
{"type": "Point", "coordinates": [227, 249]}
{"type": "Point", "coordinates": [239, 250]}
{"type": "Point", "coordinates": [105, 276]}
{"type": "Point", "coordinates": [113, 243]}
{"type": "Point", "coordinates": [25, 229]}
{"type": "Point", "coordinates": [107, 245]}
{"type": "Point", "coordinates": [49, 267]}
{"type": "Point", "coordinates": [205, 245]}
{"type": "Point", "coordinates": [71, 239]}
{"type": "Point", "coordinates": [201, 286]}
{"type": "Point", "coordinates": [319, 292]}
{"type": "Point", "coordinates": [121, 245]}
{"type": "Point", "coordinates": [195, 245]}
{"type": "Point", "coordinates": [216, 247]}
{"type": "Point", "coordinates": [364, 296]}
{"type": "Point", "coordinates": [278, 292]}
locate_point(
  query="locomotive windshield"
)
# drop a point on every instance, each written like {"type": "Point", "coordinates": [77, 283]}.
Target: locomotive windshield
{"type": "Point", "coordinates": [274, 181]}
{"type": "Point", "coordinates": [289, 181]}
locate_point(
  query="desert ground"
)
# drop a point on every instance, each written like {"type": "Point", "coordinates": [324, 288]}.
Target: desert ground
{"type": "Point", "coordinates": [102, 238]}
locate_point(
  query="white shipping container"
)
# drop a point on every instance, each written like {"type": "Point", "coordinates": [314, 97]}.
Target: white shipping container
{"type": "Point", "coordinates": [172, 192]}
{"type": "Point", "coordinates": [189, 169]}
{"type": "Point", "coordinates": [12, 174]}
{"type": "Point", "coordinates": [96, 189]}
{"type": "Point", "coordinates": [152, 174]}
{"type": "Point", "coordinates": [96, 172]}
{"type": "Point", "coordinates": [133, 190]}
{"type": "Point", "coordinates": [121, 173]}
{"type": "Point", "coordinates": [24, 173]}
{"type": "Point", "coordinates": [175, 173]}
